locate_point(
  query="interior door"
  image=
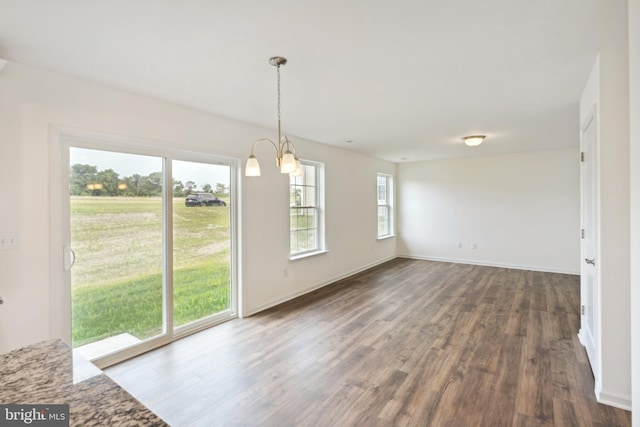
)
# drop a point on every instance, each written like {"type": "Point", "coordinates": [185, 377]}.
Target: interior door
{"type": "Point", "coordinates": [589, 272]}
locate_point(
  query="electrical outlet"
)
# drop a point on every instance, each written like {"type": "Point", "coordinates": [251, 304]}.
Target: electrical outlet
{"type": "Point", "coordinates": [8, 241]}
{"type": "Point", "coordinates": [459, 244]}
{"type": "Point", "coordinates": [474, 246]}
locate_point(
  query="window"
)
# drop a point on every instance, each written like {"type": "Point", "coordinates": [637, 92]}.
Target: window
{"type": "Point", "coordinates": [385, 197]}
{"type": "Point", "coordinates": [306, 215]}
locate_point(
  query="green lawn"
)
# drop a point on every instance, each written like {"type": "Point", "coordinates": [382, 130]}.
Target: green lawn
{"type": "Point", "coordinates": [117, 278]}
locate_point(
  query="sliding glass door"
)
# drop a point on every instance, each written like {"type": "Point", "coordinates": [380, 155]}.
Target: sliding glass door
{"type": "Point", "coordinates": [150, 253]}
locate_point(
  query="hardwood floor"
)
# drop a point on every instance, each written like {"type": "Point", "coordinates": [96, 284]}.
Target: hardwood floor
{"type": "Point", "coordinates": [407, 343]}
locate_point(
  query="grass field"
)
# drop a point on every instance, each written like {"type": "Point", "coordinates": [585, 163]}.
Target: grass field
{"type": "Point", "coordinates": [117, 277]}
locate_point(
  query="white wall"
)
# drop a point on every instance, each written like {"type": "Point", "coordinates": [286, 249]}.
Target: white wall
{"type": "Point", "coordinates": [634, 115]}
{"type": "Point", "coordinates": [521, 209]}
{"type": "Point", "coordinates": [32, 99]}
{"type": "Point", "coordinates": [614, 256]}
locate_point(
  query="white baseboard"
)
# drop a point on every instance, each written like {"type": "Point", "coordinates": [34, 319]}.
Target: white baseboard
{"type": "Point", "coordinates": [493, 264]}
{"type": "Point", "coordinates": [614, 399]}
{"type": "Point", "coordinates": [606, 398]}
{"type": "Point", "coordinates": [312, 288]}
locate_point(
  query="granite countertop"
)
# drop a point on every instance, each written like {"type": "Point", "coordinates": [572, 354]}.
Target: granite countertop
{"type": "Point", "coordinates": [43, 373]}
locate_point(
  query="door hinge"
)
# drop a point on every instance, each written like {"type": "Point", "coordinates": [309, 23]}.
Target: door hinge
{"type": "Point", "coordinates": [582, 310]}
{"type": "Point", "coordinates": [582, 156]}
{"type": "Point", "coordinates": [582, 233]}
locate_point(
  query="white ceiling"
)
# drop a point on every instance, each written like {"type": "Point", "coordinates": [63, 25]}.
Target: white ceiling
{"type": "Point", "coordinates": [404, 79]}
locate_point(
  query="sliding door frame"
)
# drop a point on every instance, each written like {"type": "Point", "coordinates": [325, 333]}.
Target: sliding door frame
{"type": "Point", "coordinates": [62, 139]}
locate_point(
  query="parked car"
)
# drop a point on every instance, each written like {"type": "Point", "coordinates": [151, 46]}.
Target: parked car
{"type": "Point", "coordinates": [203, 199]}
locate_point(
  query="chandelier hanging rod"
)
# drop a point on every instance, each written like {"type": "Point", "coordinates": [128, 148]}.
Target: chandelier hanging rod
{"type": "Point", "coordinates": [286, 159]}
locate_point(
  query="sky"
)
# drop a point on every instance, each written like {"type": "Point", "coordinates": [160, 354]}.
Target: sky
{"type": "Point", "coordinates": [129, 164]}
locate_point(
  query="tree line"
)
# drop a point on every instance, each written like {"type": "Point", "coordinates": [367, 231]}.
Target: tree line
{"type": "Point", "coordinates": [86, 180]}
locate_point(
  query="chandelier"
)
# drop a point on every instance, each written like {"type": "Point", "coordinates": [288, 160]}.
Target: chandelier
{"type": "Point", "coordinates": [285, 150]}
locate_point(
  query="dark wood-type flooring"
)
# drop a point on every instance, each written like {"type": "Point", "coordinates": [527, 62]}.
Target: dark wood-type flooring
{"type": "Point", "coordinates": [407, 343]}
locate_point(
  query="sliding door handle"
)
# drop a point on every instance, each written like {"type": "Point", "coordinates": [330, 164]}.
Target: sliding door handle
{"type": "Point", "coordinates": [591, 261]}
{"type": "Point", "coordinates": [69, 257]}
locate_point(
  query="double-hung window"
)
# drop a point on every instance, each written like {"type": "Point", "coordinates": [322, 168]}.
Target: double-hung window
{"type": "Point", "coordinates": [385, 208]}
{"type": "Point", "coordinates": [306, 210]}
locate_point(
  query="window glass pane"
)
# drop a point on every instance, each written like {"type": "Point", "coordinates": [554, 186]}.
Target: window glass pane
{"type": "Point", "coordinates": [201, 240]}
{"type": "Point", "coordinates": [382, 189]}
{"type": "Point", "coordinates": [311, 238]}
{"type": "Point", "coordinates": [116, 235]}
{"type": "Point", "coordinates": [383, 222]}
{"type": "Point", "coordinates": [309, 175]}
{"type": "Point", "coordinates": [310, 216]}
{"type": "Point", "coordinates": [309, 196]}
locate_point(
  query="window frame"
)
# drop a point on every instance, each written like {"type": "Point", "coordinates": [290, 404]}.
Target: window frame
{"type": "Point", "coordinates": [387, 203]}
{"type": "Point", "coordinates": [319, 211]}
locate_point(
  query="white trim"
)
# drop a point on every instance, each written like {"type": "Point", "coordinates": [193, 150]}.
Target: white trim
{"type": "Point", "coordinates": [204, 323]}
{"type": "Point", "coordinates": [235, 207]}
{"type": "Point", "coordinates": [312, 288]}
{"type": "Point", "coordinates": [307, 254]}
{"type": "Point", "coordinates": [634, 157]}
{"type": "Point", "coordinates": [60, 298]}
{"type": "Point", "coordinates": [493, 264]}
{"type": "Point", "coordinates": [167, 248]}
{"type": "Point", "coordinates": [386, 236]}
{"type": "Point", "coordinates": [133, 351]}
{"type": "Point", "coordinates": [613, 399]}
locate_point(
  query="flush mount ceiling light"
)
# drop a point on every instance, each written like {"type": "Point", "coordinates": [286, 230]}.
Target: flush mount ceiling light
{"type": "Point", "coordinates": [473, 140]}
{"type": "Point", "coordinates": [285, 150]}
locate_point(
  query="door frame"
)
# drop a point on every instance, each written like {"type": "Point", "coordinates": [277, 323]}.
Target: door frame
{"type": "Point", "coordinates": [62, 138]}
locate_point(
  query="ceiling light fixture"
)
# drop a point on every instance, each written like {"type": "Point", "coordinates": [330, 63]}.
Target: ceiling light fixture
{"type": "Point", "coordinates": [286, 158]}
{"type": "Point", "coordinates": [473, 140]}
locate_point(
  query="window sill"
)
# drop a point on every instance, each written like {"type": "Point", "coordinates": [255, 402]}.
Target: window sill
{"type": "Point", "coordinates": [388, 236]}
{"type": "Point", "coordinates": [308, 254]}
